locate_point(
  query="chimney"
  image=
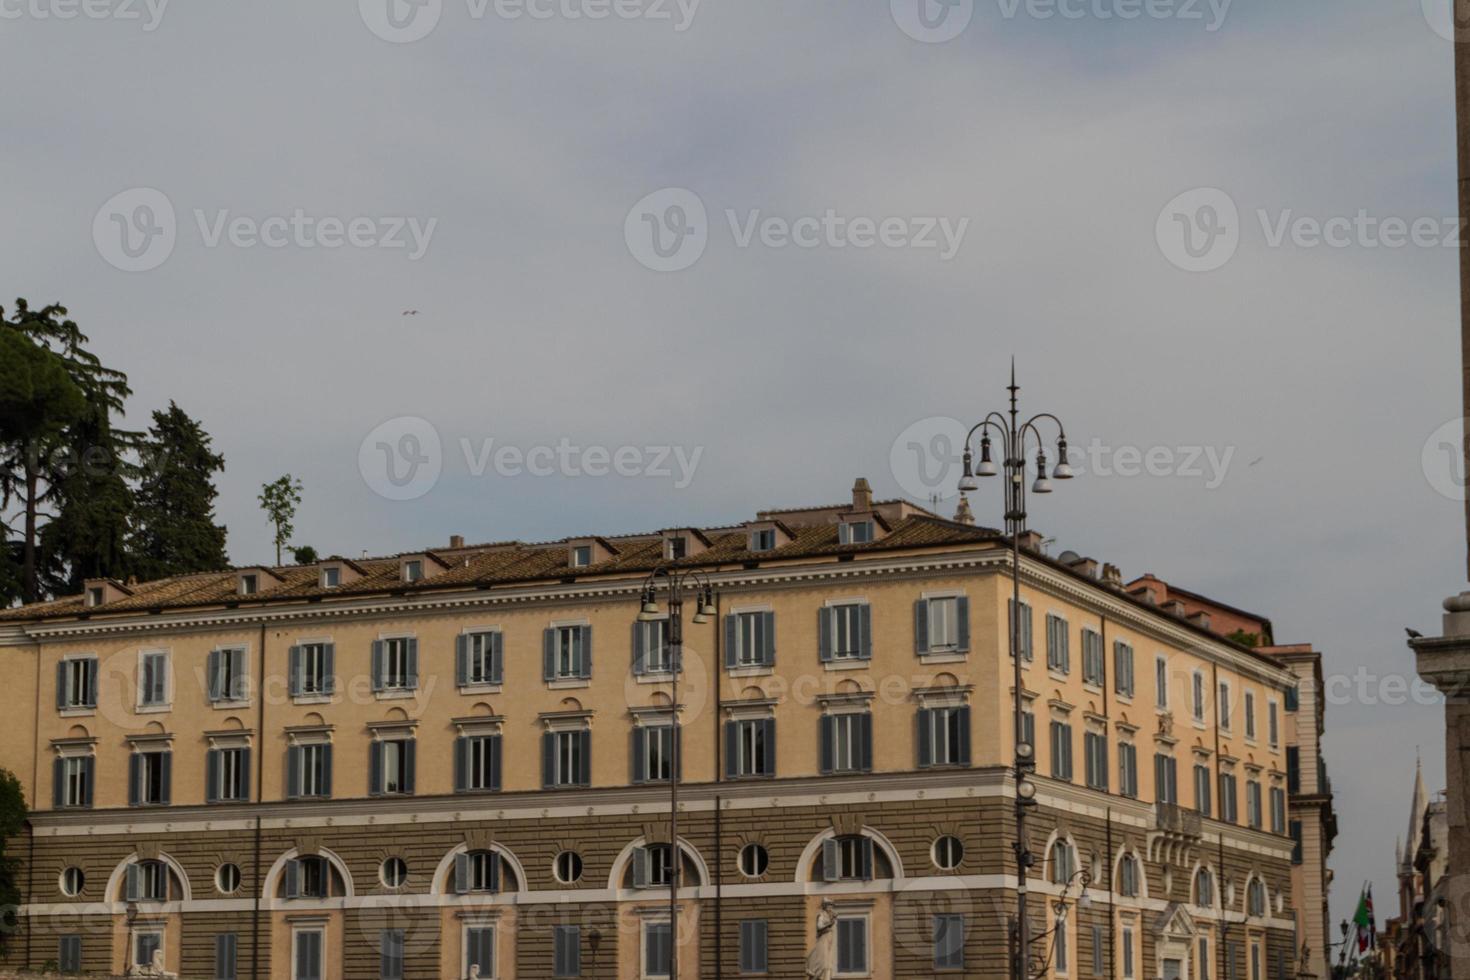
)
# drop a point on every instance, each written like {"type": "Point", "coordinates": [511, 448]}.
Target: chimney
{"type": "Point", "coordinates": [1200, 619]}
{"type": "Point", "coordinates": [456, 541]}
{"type": "Point", "coordinates": [1030, 541]}
{"type": "Point", "coordinates": [862, 496]}
{"type": "Point", "coordinates": [1175, 608]}
{"type": "Point", "coordinates": [1085, 566]}
{"type": "Point", "coordinates": [1112, 576]}
{"type": "Point", "coordinates": [963, 514]}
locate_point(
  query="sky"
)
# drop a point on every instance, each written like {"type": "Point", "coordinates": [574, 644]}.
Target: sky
{"type": "Point", "coordinates": [525, 269]}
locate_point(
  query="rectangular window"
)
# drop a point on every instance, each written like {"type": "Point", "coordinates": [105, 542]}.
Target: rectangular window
{"type": "Point", "coordinates": [227, 676]}
{"type": "Point", "coordinates": [653, 753]}
{"type": "Point", "coordinates": [1256, 961]}
{"type": "Point", "coordinates": [480, 660]}
{"type": "Point", "coordinates": [226, 956]}
{"type": "Point", "coordinates": [145, 944]}
{"type": "Point", "coordinates": [846, 632]}
{"type": "Point", "coordinates": [1092, 658]}
{"type": "Point", "coordinates": [1273, 723]}
{"type": "Point", "coordinates": [307, 955]}
{"type": "Point", "coordinates": [750, 639]}
{"type": "Point", "coordinates": [677, 548]}
{"type": "Point", "coordinates": [847, 859]}
{"type": "Point", "coordinates": [73, 778]}
{"type": "Point", "coordinates": [1128, 769]}
{"type": "Point", "coordinates": [150, 774]}
{"type": "Point", "coordinates": [331, 577]}
{"type": "Point", "coordinates": [847, 743]}
{"type": "Point", "coordinates": [227, 775]}
{"type": "Point", "coordinates": [568, 760]}
{"type": "Point", "coordinates": [1127, 953]}
{"type": "Point", "coordinates": [249, 584]}
{"type": "Point", "coordinates": [944, 736]}
{"type": "Point", "coordinates": [1123, 669]}
{"type": "Point", "coordinates": [309, 770]}
{"type": "Point", "coordinates": [479, 950]}
{"type": "Point", "coordinates": [153, 680]}
{"type": "Point", "coordinates": [1296, 842]}
{"type": "Point", "coordinates": [658, 949]}
{"type": "Point", "coordinates": [1202, 793]}
{"type": "Point", "coordinates": [566, 951]}
{"type": "Point", "coordinates": [1061, 750]}
{"type": "Point", "coordinates": [1023, 639]}
{"type": "Point", "coordinates": [1198, 698]}
{"type": "Point", "coordinates": [949, 942]}
{"type": "Point", "coordinates": [76, 683]}
{"type": "Point", "coordinates": [1204, 958]}
{"type": "Point", "coordinates": [413, 571]}
{"type": "Point", "coordinates": [477, 764]}
{"type": "Point", "coordinates": [582, 556]}
{"type": "Point", "coordinates": [1293, 699]}
{"type": "Point", "coordinates": [312, 670]}
{"type": "Point", "coordinates": [1253, 803]}
{"type": "Point", "coordinates": [750, 748]}
{"type": "Point", "coordinates": [1095, 757]}
{"type": "Point", "coordinates": [1278, 810]}
{"type": "Point", "coordinates": [567, 653]}
{"type": "Point", "coordinates": [391, 765]}
{"type": "Point", "coordinates": [1058, 649]}
{"type": "Point", "coordinates": [1166, 779]}
{"type": "Point", "coordinates": [1097, 951]}
{"type": "Point", "coordinates": [1062, 957]}
{"type": "Point", "coordinates": [1161, 682]}
{"type": "Point", "coordinates": [754, 946]}
{"type": "Point", "coordinates": [1223, 709]}
{"type": "Point", "coordinates": [763, 540]}
{"type": "Point", "coordinates": [852, 946]}
{"type": "Point", "coordinates": [1250, 714]}
{"type": "Point", "coordinates": [1228, 805]}
{"type": "Point", "coordinates": [395, 664]}
{"type": "Point", "coordinates": [390, 944]}
{"type": "Point", "coordinates": [652, 653]}
{"type": "Point", "coordinates": [855, 532]}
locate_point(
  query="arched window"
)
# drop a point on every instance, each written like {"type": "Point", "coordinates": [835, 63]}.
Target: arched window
{"type": "Point", "coordinates": [1204, 888]}
{"type": "Point", "coordinates": [477, 872]}
{"type": "Point", "coordinates": [1255, 898]}
{"type": "Point", "coordinates": [1130, 876]}
{"type": "Point", "coordinates": [146, 881]}
{"type": "Point", "coordinates": [1063, 861]}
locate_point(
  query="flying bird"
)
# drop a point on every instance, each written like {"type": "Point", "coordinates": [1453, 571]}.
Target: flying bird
{"type": "Point", "coordinates": [410, 312]}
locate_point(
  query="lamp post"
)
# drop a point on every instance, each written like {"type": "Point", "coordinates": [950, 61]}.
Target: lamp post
{"type": "Point", "coordinates": [1012, 434]}
{"type": "Point", "coordinates": [594, 939]}
{"type": "Point", "coordinates": [676, 580]}
{"type": "Point", "coordinates": [1061, 906]}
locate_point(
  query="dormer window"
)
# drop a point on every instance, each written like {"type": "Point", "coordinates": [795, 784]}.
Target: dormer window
{"type": "Point", "coordinates": [763, 540]}
{"type": "Point", "coordinates": [249, 584]}
{"type": "Point", "coordinates": [676, 548]}
{"type": "Point", "coordinates": [413, 570]}
{"type": "Point", "coordinates": [855, 532]}
{"type": "Point", "coordinates": [331, 577]}
{"type": "Point", "coordinates": [582, 556]}
{"type": "Point", "coordinates": [95, 596]}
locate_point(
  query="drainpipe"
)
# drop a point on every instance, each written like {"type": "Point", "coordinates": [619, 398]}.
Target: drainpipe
{"type": "Point", "coordinates": [1112, 904]}
{"type": "Point", "coordinates": [259, 801]}
{"type": "Point", "coordinates": [719, 665]}
{"type": "Point", "coordinates": [1223, 953]}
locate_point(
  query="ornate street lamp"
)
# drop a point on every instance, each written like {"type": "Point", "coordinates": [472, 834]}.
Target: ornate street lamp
{"type": "Point", "coordinates": [1012, 435]}
{"type": "Point", "coordinates": [1037, 963]}
{"type": "Point", "coordinates": [676, 581]}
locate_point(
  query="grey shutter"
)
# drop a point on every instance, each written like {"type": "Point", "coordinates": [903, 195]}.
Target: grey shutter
{"type": "Point", "coordinates": [166, 770]}
{"type": "Point", "coordinates": [584, 776]}
{"type": "Point", "coordinates": [731, 628]}
{"type": "Point", "coordinates": [216, 689]}
{"type": "Point", "coordinates": [768, 758]}
{"type": "Point", "coordinates": [639, 755]}
{"type": "Point", "coordinates": [461, 874]}
{"type": "Point", "coordinates": [865, 623]}
{"type": "Point", "coordinates": [548, 759]}
{"type": "Point", "coordinates": [378, 646]}
{"type": "Point", "coordinates": [89, 779]}
{"type": "Point", "coordinates": [866, 848]}
{"type": "Point", "coordinates": [329, 668]}
{"type": "Point", "coordinates": [326, 770]}
{"type": "Point", "coordinates": [375, 768]}
{"type": "Point", "coordinates": [61, 695]}
{"type": "Point", "coordinates": [211, 776]}
{"type": "Point", "coordinates": [224, 956]}
{"type": "Point", "coordinates": [921, 627]}
{"type": "Point", "coordinates": [410, 764]}
{"type": "Point", "coordinates": [548, 653]}
{"type": "Point", "coordinates": [492, 862]}
{"type": "Point", "coordinates": [640, 640]}
{"type": "Point", "coordinates": [865, 742]}
{"type": "Point", "coordinates": [461, 764]}
{"type": "Point", "coordinates": [497, 671]}
{"type": "Point", "coordinates": [962, 613]}
{"type": "Point", "coordinates": [133, 776]}
{"type": "Point", "coordinates": [676, 740]}
{"type": "Point", "coordinates": [92, 668]}
{"type": "Point", "coordinates": [461, 660]}
{"type": "Point", "coordinates": [732, 749]}
{"type": "Point", "coordinates": [293, 668]}
{"type": "Point", "coordinates": [768, 639]}
{"type": "Point", "coordinates": [964, 723]}
{"type": "Point", "coordinates": [413, 662]}
{"type": "Point", "coordinates": [926, 738]}
{"type": "Point", "coordinates": [131, 890]}
{"type": "Point", "coordinates": [824, 634]}
{"type": "Point", "coordinates": [584, 652]}
{"type": "Point", "coordinates": [640, 867]}
{"type": "Point", "coordinates": [293, 772]}
{"type": "Point", "coordinates": [494, 743]}
{"type": "Point", "coordinates": [242, 786]}
{"type": "Point", "coordinates": [58, 783]}
{"type": "Point", "coordinates": [753, 946]}
{"type": "Point", "coordinates": [831, 863]}
{"type": "Point", "coordinates": [825, 735]}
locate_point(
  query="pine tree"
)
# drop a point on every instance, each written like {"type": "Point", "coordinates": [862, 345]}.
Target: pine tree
{"type": "Point", "coordinates": [175, 532]}
{"type": "Point", "coordinates": [93, 499]}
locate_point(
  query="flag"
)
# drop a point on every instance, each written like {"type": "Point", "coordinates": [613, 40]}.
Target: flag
{"type": "Point", "coordinates": [1365, 928]}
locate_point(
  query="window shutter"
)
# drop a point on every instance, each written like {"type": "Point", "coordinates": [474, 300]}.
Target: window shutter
{"type": "Point", "coordinates": [211, 776]}
{"type": "Point", "coordinates": [216, 688]}
{"type": "Point", "coordinates": [92, 668]}
{"type": "Point", "coordinates": [831, 863]}
{"type": "Point", "coordinates": [964, 746]}
{"type": "Point", "coordinates": [640, 641]}
{"type": "Point", "coordinates": [242, 785]}
{"type": "Point", "coordinates": [824, 634]}
{"type": "Point", "coordinates": [867, 853]}
{"type": "Point", "coordinates": [461, 660]}
{"type": "Point", "coordinates": [584, 652]}
{"type": "Point", "coordinates": [731, 626]}
{"type": "Point", "coordinates": [548, 760]}
{"type": "Point", "coordinates": [61, 692]}
{"type": "Point", "coordinates": [584, 777]}
{"type": "Point", "coordinates": [89, 779]}
{"type": "Point", "coordinates": [640, 755]}
{"type": "Point", "coordinates": [865, 742]}
{"type": "Point", "coordinates": [133, 778]}
{"type": "Point", "coordinates": [224, 956]}
{"type": "Point", "coordinates": [293, 668]}
{"type": "Point", "coordinates": [497, 658]}
{"type": "Point", "coordinates": [768, 758]}
{"type": "Point", "coordinates": [461, 764]}
{"type": "Point", "coordinates": [640, 867]}
{"type": "Point", "coordinates": [678, 743]}
{"type": "Point", "coordinates": [492, 862]}
{"type": "Point", "coordinates": [58, 783]}
{"type": "Point", "coordinates": [293, 772]}
{"type": "Point", "coordinates": [732, 749]}
{"type": "Point", "coordinates": [131, 891]}
{"type": "Point", "coordinates": [826, 733]}
{"type": "Point", "coordinates": [753, 946]}
{"type": "Point", "coordinates": [378, 665]}
{"type": "Point", "coordinates": [865, 644]}
{"type": "Point", "coordinates": [768, 639]}
{"type": "Point", "coordinates": [326, 770]}
{"type": "Point", "coordinates": [166, 769]}
{"type": "Point", "coordinates": [375, 768]}
{"type": "Point", "coordinates": [548, 653]}
{"type": "Point", "coordinates": [495, 743]}
{"type": "Point", "coordinates": [921, 627]}
{"type": "Point", "coordinates": [293, 878]}
{"type": "Point", "coordinates": [962, 613]}
{"type": "Point", "coordinates": [329, 668]}
{"type": "Point", "coordinates": [413, 662]}
{"type": "Point", "coordinates": [926, 738]}
{"type": "Point", "coordinates": [461, 874]}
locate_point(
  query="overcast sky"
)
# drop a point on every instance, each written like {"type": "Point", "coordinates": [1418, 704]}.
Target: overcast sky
{"type": "Point", "coordinates": [1030, 162]}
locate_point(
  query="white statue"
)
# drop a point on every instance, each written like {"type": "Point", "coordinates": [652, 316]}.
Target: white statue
{"type": "Point", "coordinates": [474, 971]}
{"type": "Point", "coordinates": [821, 962]}
{"type": "Point", "coordinates": [154, 967]}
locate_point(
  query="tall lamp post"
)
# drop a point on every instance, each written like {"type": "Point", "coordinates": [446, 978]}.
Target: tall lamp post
{"type": "Point", "coordinates": [677, 581]}
{"type": "Point", "coordinates": [1012, 434]}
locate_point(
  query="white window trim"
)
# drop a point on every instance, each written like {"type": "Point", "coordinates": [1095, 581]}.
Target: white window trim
{"type": "Point", "coordinates": [651, 918]}
{"type": "Point", "coordinates": [321, 930]}
{"type": "Point", "coordinates": [482, 920]}
{"type": "Point", "coordinates": [1224, 712]}
{"type": "Point", "coordinates": [168, 687]}
{"type": "Point", "coordinates": [1161, 694]}
{"type": "Point", "coordinates": [79, 711]}
{"type": "Point", "coordinates": [236, 705]}
{"type": "Point", "coordinates": [1087, 685]}
{"type": "Point", "coordinates": [1198, 713]}
{"type": "Point", "coordinates": [1052, 672]}
{"type": "Point", "coordinates": [138, 932]}
{"type": "Point", "coordinates": [305, 641]}
{"type": "Point", "coordinates": [867, 918]}
{"type": "Point", "coordinates": [1249, 716]}
{"type": "Point", "coordinates": [1273, 709]}
{"type": "Point", "coordinates": [477, 687]}
{"type": "Point", "coordinates": [397, 693]}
